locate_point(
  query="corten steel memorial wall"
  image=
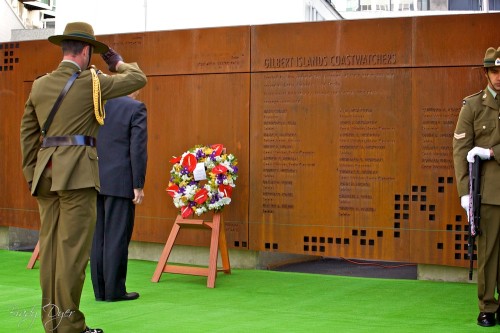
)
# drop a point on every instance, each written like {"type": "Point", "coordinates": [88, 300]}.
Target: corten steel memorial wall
{"type": "Point", "coordinates": [343, 130]}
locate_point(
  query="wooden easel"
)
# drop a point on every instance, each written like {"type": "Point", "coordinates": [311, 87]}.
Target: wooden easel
{"type": "Point", "coordinates": [217, 241]}
{"type": "Point", "coordinates": [34, 256]}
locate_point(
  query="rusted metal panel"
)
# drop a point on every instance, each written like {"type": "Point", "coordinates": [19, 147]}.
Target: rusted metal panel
{"type": "Point", "coordinates": [378, 179]}
{"type": "Point", "coordinates": [17, 208]}
{"type": "Point", "coordinates": [433, 194]}
{"type": "Point", "coordinates": [454, 40]}
{"type": "Point", "coordinates": [195, 51]}
{"type": "Point", "coordinates": [183, 110]}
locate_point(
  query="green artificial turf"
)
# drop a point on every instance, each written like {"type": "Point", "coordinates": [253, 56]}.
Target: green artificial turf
{"type": "Point", "coordinates": [250, 301]}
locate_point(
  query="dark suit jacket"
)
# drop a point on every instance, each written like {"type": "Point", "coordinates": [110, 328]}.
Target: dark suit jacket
{"type": "Point", "coordinates": [122, 147]}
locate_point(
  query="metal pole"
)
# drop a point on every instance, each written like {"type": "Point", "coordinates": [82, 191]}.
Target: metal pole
{"type": "Point", "coordinates": [485, 6]}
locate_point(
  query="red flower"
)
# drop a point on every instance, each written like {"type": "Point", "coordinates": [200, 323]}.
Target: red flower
{"type": "Point", "coordinates": [174, 159]}
{"type": "Point", "coordinates": [172, 190]}
{"type": "Point", "coordinates": [186, 211]}
{"type": "Point", "coordinates": [217, 148]}
{"type": "Point", "coordinates": [219, 169]}
{"type": "Point", "coordinates": [189, 161]}
{"type": "Point", "coordinates": [226, 189]}
{"type": "Point", "coordinates": [201, 196]}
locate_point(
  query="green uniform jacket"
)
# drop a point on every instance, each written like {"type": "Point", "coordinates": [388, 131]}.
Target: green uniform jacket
{"type": "Point", "coordinates": [74, 167]}
{"type": "Point", "coordinates": [478, 126]}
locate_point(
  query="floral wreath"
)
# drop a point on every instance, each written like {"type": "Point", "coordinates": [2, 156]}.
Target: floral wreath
{"type": "Point", "coordinates": [202, 179]}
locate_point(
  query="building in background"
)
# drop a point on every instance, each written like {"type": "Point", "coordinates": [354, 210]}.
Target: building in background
{"type": "Point", "coordinates": [28, 18]}
{"type": "Point", "coordinates": [20, 19]}
{"type": "Point", "coordinates": [119, 16]}
{"type": "Point", "coordinates": [124, 16]}
{"type": "Point", "coordinates": [357, 9]}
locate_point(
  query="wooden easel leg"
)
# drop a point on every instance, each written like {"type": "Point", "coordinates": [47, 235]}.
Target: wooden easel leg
{"type": "Point", "coordinates": [34, 256]}
{"type": "Point", "coordinates": [226, 267]}
{"type": "Point", "coordinates": [214, 251]}
{"type": "Point", "coordinates": [166, 253]}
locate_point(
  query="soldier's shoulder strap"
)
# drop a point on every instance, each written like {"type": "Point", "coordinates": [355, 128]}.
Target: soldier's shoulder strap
{"type": "Point", "coordinates": [464, 101]}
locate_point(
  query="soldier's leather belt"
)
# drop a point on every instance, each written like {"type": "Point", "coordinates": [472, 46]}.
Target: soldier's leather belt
{"type": "Point", "coordinates": [69, 140]}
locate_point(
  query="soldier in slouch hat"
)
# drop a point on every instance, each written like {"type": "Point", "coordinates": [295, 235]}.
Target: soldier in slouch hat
{"type": "Point", "coordinates": [59, 160]}
{"type": "Point", "coordinates": [477, 133]}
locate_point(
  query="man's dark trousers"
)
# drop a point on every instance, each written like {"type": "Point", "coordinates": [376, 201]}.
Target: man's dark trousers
{"type": "Point", "coordinates": [110, 246]}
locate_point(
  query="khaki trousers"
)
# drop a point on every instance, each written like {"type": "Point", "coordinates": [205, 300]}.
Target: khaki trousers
{"type": "Point", "coordinates": [67, 227]}
{"type": "Point", "coordinates": [488, 258]}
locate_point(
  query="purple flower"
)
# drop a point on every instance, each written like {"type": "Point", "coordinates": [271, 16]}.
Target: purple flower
{"type": "Point", "coordinates": [212, 156]}
{"type": "Point", "coordinates": [220, 178]}
{"type": "Point", "coordinates": [200, 154]}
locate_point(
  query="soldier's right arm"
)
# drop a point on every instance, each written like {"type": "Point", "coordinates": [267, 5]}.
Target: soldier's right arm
{"type": "Point", "coordinates": [129, 79]}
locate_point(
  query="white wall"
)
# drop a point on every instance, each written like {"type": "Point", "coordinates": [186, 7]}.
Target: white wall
{"type": "Point", "coordinates": [120, 16]}
{"type": "Point", "coordinates": [8, 22]}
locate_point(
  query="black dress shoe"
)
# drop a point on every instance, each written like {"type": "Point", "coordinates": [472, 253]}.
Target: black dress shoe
{"type": "Point", "coordinates": [486, 319]}
{"type": "Point", "coordinates": [127, 297]}
{"type": "Point", "coordinates": [92, 330]}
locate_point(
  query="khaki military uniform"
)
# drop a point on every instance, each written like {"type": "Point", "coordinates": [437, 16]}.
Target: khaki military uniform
{"type": "Point", "coordinates": [479, 126]}
{"type": "Point", "coordinates": [66, 192]}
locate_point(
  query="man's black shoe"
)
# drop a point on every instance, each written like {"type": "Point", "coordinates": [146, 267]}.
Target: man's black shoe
{"type": "Point", "coordinates": [127, 297]}
{"type": "Point", "coordinates": [92, 330]}
{"type": "Point", "coordinates": [486, 319]}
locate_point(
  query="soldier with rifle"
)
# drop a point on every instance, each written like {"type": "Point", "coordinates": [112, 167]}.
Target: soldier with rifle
{"type": "Point", "coordinates": [477, 136]}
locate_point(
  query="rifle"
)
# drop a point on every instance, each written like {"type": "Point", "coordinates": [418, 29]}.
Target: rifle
{"type": "Point", "coordinates": [474, 208]}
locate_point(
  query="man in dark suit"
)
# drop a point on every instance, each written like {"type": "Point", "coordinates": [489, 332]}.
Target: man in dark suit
{"type": "Point", "coordinates": [122, 151]}
{"type": "Point", "coordinates": [62, 170]}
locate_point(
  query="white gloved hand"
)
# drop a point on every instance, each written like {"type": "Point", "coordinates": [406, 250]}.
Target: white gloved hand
{"type": "Point", "coordinates": [483, 154]}
{"type": "Point", "coordinates": [464, 201]}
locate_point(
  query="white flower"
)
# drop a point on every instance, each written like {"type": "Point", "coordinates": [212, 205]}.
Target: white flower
{"type": "Point", "coordinates": [178, 201]}
{"type": "Point", "coordinates": [200, 210]}
{"type": "Point", "coordinates": [190, 191]}
{"type": "Point", "coordinates": [209, 189]}
{"type": "Point", "coordinates": [227, 165]}
{"type": "Point", "coordinates": [209, 164]}
{"type": "Point", "coordinates": [225, 201]}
